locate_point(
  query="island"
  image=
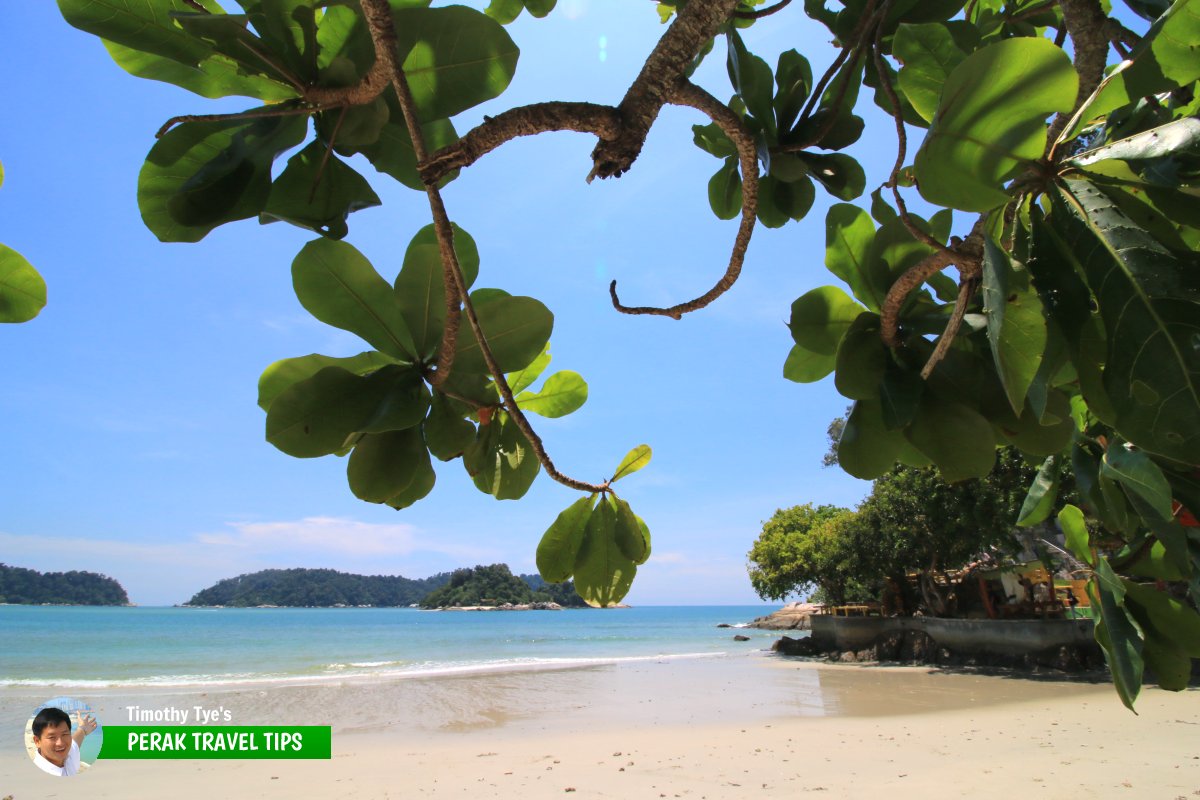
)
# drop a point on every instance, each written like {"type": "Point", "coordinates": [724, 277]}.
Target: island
{"type": "Point", "coordinates": [21, 586]}
{"type": "Point", "coordinates": [495, 586]}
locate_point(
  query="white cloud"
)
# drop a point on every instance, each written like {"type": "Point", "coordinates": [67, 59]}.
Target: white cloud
{"type": "Point", "coordinates": [335, 536]}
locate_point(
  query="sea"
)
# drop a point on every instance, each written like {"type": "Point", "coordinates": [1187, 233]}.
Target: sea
{"type": "Point", "coordinates": [84, 647]}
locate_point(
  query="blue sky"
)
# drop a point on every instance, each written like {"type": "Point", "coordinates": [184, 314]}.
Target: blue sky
{"type": "Point", "coordinates": [131, 440]}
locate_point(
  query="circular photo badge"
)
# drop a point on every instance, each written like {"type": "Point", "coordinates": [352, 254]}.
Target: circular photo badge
{"type": "Point", "coordinates": [62, 736]}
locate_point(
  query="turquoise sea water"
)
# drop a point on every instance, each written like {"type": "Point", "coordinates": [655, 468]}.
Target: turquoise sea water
{"type": "Point", "coordinates": [76, 646]}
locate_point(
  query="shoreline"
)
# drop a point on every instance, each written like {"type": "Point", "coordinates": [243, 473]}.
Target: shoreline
{"type": "Point", "coordinates": [716, 728]}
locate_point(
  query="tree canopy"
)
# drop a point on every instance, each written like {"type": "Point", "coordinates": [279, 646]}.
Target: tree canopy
{"type": "Point", "coordinates": [30, 587]}
{"type": "Point", "coordinates": [1069, 333]}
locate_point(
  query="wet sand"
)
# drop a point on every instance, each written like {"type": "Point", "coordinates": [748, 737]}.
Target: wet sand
{"type": "Point", "coordinates": [729, 727]}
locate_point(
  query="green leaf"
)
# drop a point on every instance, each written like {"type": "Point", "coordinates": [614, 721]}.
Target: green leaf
{"type": "Point", "coordinates": [821, 317]}
{"type": "Point", "coordinates": [289, 29]}
{"type": "Point", "coordinates": [634, 460]}
{"type": "Point", "coordinates": [1070, 519]}
{"type": "Point", "coordinates": [563, 393]}
{"type": "Point", "coordinates": [420, 287]}
{"type": "Point", "coordinates": [321, 415]}
{"type": "Point", "coordinates": [318, 191]}
{"type": "Point", "coordinates": [793, 80]}
{"type": "Point", "coordinates": [1167, 617]}
{"type": "Point", "coordinates": [840, 174]}
{"type": "Point", "coordinates": [392, 152]}
{"type": "Point", "coordinates": [337, 285]}
{"type": "Point", "coordinates": [1165, 140]}
{"type": "Point", "coordinates": [454, 58]}
{"type": "Point", "coordinates": [1134, 470]}
{"type": "Point", "coordinates": [929, 54]}
{"type": "Point", "coordinates": [1116, 632]}
{"type": "Point", "coordinates": [286, 372]}
{"type": "Point", "coordinates": [540, 8]}
{"type": "Point", "coordinates": [805, 366]}
{"type": "Point", "coordinates": [867, 449]}
{"type": "Point", "coordinates": [900, 395]}
{"type": "Point", "coordinates": [1015, 325]}
{"type": "Point", "coordinates": [848, 236]}
{"type": "Point", "coordinates": [204, 174]}
{"type": "Point", "coordinates": [385, 465]}
{"type": "Point", "coordinates": [1167, 57]}
{"type": "Point", "coordinates": [22, 289]}
{"type": "Point", "coordinates": [1043, 492]}
{"type": "Point", "coordinates": [752, 79]}
{"type": "Point", "coordinates": [955, 437]}
{"type": "Point", "coordinates": [145, 25]}
{"type": "Point", "coordinates": [505, 462]}
{"type": "Point", "coordinates": [504, 12]}
{"type": "Point", "coordinates": [780, 201]}
{"type": "Point", "coordinates": [603, 574]}
{"type": "Point", "coordinates": [712, 140]}
{"type": "Point", "coordinates": [447, 433]}
{"type": "Point", "coordinates": [559, 547]}
{"type": "Point", "coordinates": [862, 359]}
{"type": "Point", "coordinates": [725, 190]}
{"type": "Point", "coordinates": [523, 378]}
{"type": "Point", "coordinates": [216, 76]}
{"type": "Point", "coordinates": [991, 117]}
{"type": "Point", "coordinates": [516, 329]}
{"type": "Point", "coordinates": [632, 535]}
{"type": "Point", "coordinates": [230, 36]}
{"type": "Point", "coordinates": [352, 129]}
{"type": "Point", "coordinates": [1150, 303]}
{"type": "Point", "coordinates": [403, 406]}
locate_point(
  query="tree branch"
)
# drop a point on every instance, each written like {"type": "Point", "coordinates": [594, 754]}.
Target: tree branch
{"type": "Point", "coordinates": [254, 113]}
{"type": "Point", "coordinates": [1084, 20]}
{"type": "Point", "coordinates": [688, 94]}
{"type": "Point", "coordinates": [694, 25]}
{"type": "Point", "coordinates": [603, 121]}
{"type": "Point", "coordinates": [762, 12]}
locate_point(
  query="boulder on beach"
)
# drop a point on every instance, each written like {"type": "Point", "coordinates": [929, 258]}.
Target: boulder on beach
{"type": "Point", "coordinates": [793, 616]}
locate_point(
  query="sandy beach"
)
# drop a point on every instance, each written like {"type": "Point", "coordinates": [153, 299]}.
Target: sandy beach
{"type": "Point", "coordinates": [738, 726]}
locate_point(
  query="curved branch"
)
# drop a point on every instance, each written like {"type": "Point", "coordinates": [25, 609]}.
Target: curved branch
{"type": "Point", "coordinates": [604, 121]}
{"type": "Point", "coordinates": [762, 12]}
{"type": "Point", "coordinates": [254, 113]}
{"type": "Point", "coordinates": [694, 25]}
{"type": "Point", "coordinates": [966, 290]}
{"type": "Point", "coordinates": [688, 94]}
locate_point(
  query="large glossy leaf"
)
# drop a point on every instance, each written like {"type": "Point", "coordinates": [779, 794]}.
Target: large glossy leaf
{"type": "Point", "coordinates": [216, 76]}
{"type": "Point", "coordinates": [804, 366]}
{"type": "Point", "coordinates": [337, 285]}
{"type": "Point", "coordinates": [516, 329]}
{"type": "Point", "coordinates": [454, 58]}
{"type": "Point", "coordinates": [955, 437]}
{"type": "Point", "coordinates": [1116, 632]}
{"type": "Point", "coordinates": [782, 201]}
{"type": "Point", "coordinates": [1150, 303]}
{"type": "Point", "coordinates": [559, 546]}
{"type": "Point", "coordinates": [392, 151]}
{"type": "Point", "coordinates": [145, 25]}
{"type": "Point", "coordinates": [634, 460]}
{"type": "Point", "coordinates": [503, 462]}
{"type": "Point", "coordinates": [793, 81]}
{"type": "Point", "coordinates": [821, 317]}
{"type": "Point", "coordinates": [204, 174]}
{"type": "Point", "coordinates": [523, 378]}
{"type": "Point", "coordinates": [633, 537]}
{"type": "Point", "coordinates": [1168, 617]}
{"type": "Point", "coordinates": [991, 117]}
{"type": "Point", "coordinates": [286, 372]}
{"type": "Point", "coordinates": [420, 287]}
{"type": "Point", "coordinates": [1043, 492]}
{"type": "Point", "coordinates": [1015, 325]}
{"type": "Point", "coordinates": [1167, 57]}
{"type": "Point", "coordinates": [862, 359]}
{"type": "Point", "coordinates": [752, 80]}
{"type": "Point", "coordinates": [318, 191]}
{"type": "Point", "coordinates": [1134, 470]}
{"type": "Point", "coordinates": [1181, 134]}
{"type": "Point", "coordinates": [840, 174]}
{"type": "Point", "coordinates": [929, 54]}
{"type": "Point", "coordinates": [447, 433]}
{"type": "Point", "coordinates": [320, 415]}
{"type": "Point", "coordinates": [561, 394]}
{"type": "Point", "coordinates": [22, 289]}
{"type": "Point", "coordinates": [725, 190]}
{"type": "Point", "coordinates": [230, 36]}
{"type": "Point", "coordinates": [603, 574]}
{"type": "Point", "coordinates": [1070, 519]}
{"type": "Point", "coordinates": [384, 465]}
{"type": "Point", "coordinates": [848, 236]}
{"type": "Point", "coordinates": [289, 29]}
{"type": "Point", "coordinates": [867, 449]}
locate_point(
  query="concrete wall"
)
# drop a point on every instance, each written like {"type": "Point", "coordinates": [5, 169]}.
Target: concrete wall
{"type": "Point", "coordinates": [999, 636]}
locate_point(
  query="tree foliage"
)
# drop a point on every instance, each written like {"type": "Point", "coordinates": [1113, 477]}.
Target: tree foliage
{"type": "Point", "coordinates": [1070, 332]}
{"type": "Point", "coordinates": [26, 586]}
{"type": "Point", "coordinates": [495, 585]}
{"type": "Point", "coordinates": [316, 588]}
{"type": "Point", "coordinates": [22, 289]}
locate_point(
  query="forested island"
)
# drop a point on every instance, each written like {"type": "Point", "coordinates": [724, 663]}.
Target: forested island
{"type": "Point", "coordinates": [495, 585]}
{"type": "Point", "coordinates": [20, 586]}
{"type": "Point", "coordinates": [310, 588]}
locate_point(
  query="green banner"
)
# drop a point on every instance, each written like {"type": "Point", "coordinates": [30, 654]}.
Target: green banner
{"type": "Point", "coordinates": [216, 741]}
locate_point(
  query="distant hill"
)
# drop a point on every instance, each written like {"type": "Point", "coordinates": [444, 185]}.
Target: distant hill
{"type": "Point", "coordinates": [496, 585]}
{"type": "Point", "coordinates": [28, 586]}
{"type": "Point", "coordinates": [317, 587]}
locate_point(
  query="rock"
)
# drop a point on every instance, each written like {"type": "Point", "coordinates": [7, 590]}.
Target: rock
{"type": "Point", "coordinates": [724, 625]}
{"type": "Point", "coordinates": [793, 616]}
{"type": "Point", "coordinates": [740, 638]}
{"type": "Point", "coordinates": [795, 647]}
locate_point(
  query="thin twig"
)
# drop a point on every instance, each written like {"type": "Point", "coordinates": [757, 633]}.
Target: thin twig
{"type": "Point", "coordinates": [1119, 46]}
{"type": "Point", "coordinates": [379, 22]}
{"type": "Point", "coordinates": [688, 94]}
{"type": "Point", "coordinates": [966, 290]}
{"type": "Point", "coordinates": [254, 113]}
{"type": "Point", "coordinates": [196, 5]}
{"type": "Point", "coordinates": [1032, 11]}
{"type": "Point", "coordinates": [762, 12]}
{"type": "Point", "coordinates": [856, 35]}
{"type": "Point", "coordinates": [328, 152]}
